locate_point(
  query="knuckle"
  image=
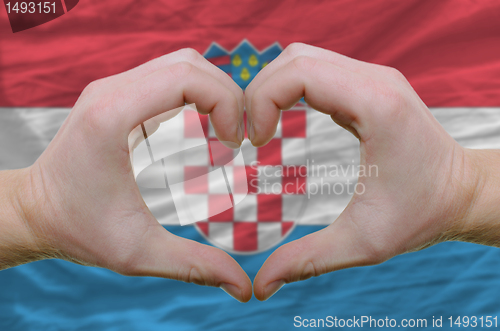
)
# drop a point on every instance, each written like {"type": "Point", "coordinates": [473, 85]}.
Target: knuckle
{"type": "Point", "coordinates": [391, 97]}
{"type": "Point", "coordinates": [376, 251]}
{"type": "Point", "coordinates": [98, 113]}
{"type": "Point", "coordinates": [189, 54]}
{"type": "Point", "coordinates": [309, 270]}
{"type": "Point", "coordinates": [181, 69]}
{"type": "Point", "coordinates": [295, 49]}
{"type": "Point", "coordinates": [126, 264]}
{"type": "Point", "coordinates": [92, 88]}
{"type": "Point", "coordinates": [394, 74]}
{"type": "Point", "coordinates": [195, 277]}
{"type": "Point", "coordinates": [390, 100]}
{"type": "Point", "coordinates": [192, 274]}
{"type": "Point", "coordinates": [304, 63]}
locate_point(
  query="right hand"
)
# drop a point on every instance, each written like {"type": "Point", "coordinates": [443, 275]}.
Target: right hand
{"type": "Point", "coordinates": [80, 201]}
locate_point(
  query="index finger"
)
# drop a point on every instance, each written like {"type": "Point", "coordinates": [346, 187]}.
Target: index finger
{"type": "Point", "coordinates": [183, 55]}
{"type": "Point", "coordinates": [299, 49]}
{"type": "Point", "coordinates": [326, 87]}
{"type": "Point", "coordinates": [117, 114]}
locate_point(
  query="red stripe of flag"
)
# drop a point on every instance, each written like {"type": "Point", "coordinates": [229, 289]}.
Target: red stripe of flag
{"type": "Point", "coordinates": [449, 53]}
{"type": "Point", "coordinates": [220, 60]}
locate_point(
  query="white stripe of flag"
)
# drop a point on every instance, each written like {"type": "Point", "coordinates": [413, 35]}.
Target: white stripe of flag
{"type": "Point", "coordinates": [26, 132]}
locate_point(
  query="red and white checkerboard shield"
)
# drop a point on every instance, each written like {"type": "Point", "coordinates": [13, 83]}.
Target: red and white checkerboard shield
{"type": "Point", "coordinates": [243, 216]}
{"type": "Point", "coordinates": [277, 187]}
{"type": "Point", "coordinates": [242, 204]}
{"type": "Point", "coordinates": [178, 165]}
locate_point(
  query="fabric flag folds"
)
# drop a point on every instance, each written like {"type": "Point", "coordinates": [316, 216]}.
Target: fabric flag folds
{"type": "Point", "coordinates": [448, 51]}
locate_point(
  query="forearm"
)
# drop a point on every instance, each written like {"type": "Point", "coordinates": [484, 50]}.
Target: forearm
{"type": "Point", "coordinates": [17, 241]}
{"type": "Point", "coordinates": [481, 223]}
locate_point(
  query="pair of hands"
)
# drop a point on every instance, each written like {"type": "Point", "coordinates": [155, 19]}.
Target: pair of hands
{"type": "Point", "coordinates": [80, 202]}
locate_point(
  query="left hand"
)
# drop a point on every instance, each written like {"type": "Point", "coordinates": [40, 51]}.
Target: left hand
{"type": "Point", "coordinates": [426, 183]}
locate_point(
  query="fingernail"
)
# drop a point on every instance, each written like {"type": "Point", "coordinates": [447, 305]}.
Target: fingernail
{"type": "Point", "coordinates": [232, 290]}
{"type": "Point", "coordinates": [241, 131]}
{"type": "Point", "coordinates": [272, 288]}
{"type": "Point", "coordinates": [251, 131]}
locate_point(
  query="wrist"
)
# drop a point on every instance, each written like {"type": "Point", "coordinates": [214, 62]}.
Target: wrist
{"type": "Point", "coordinates": [18, 242]}
{"type": "Point", "coordinates": [479, 193]}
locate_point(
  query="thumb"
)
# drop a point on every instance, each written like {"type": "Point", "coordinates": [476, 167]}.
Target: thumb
{"type": "Point", "coordinates": [166, 255]}
{"type": "Point", "coordinates": [335, 247]}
